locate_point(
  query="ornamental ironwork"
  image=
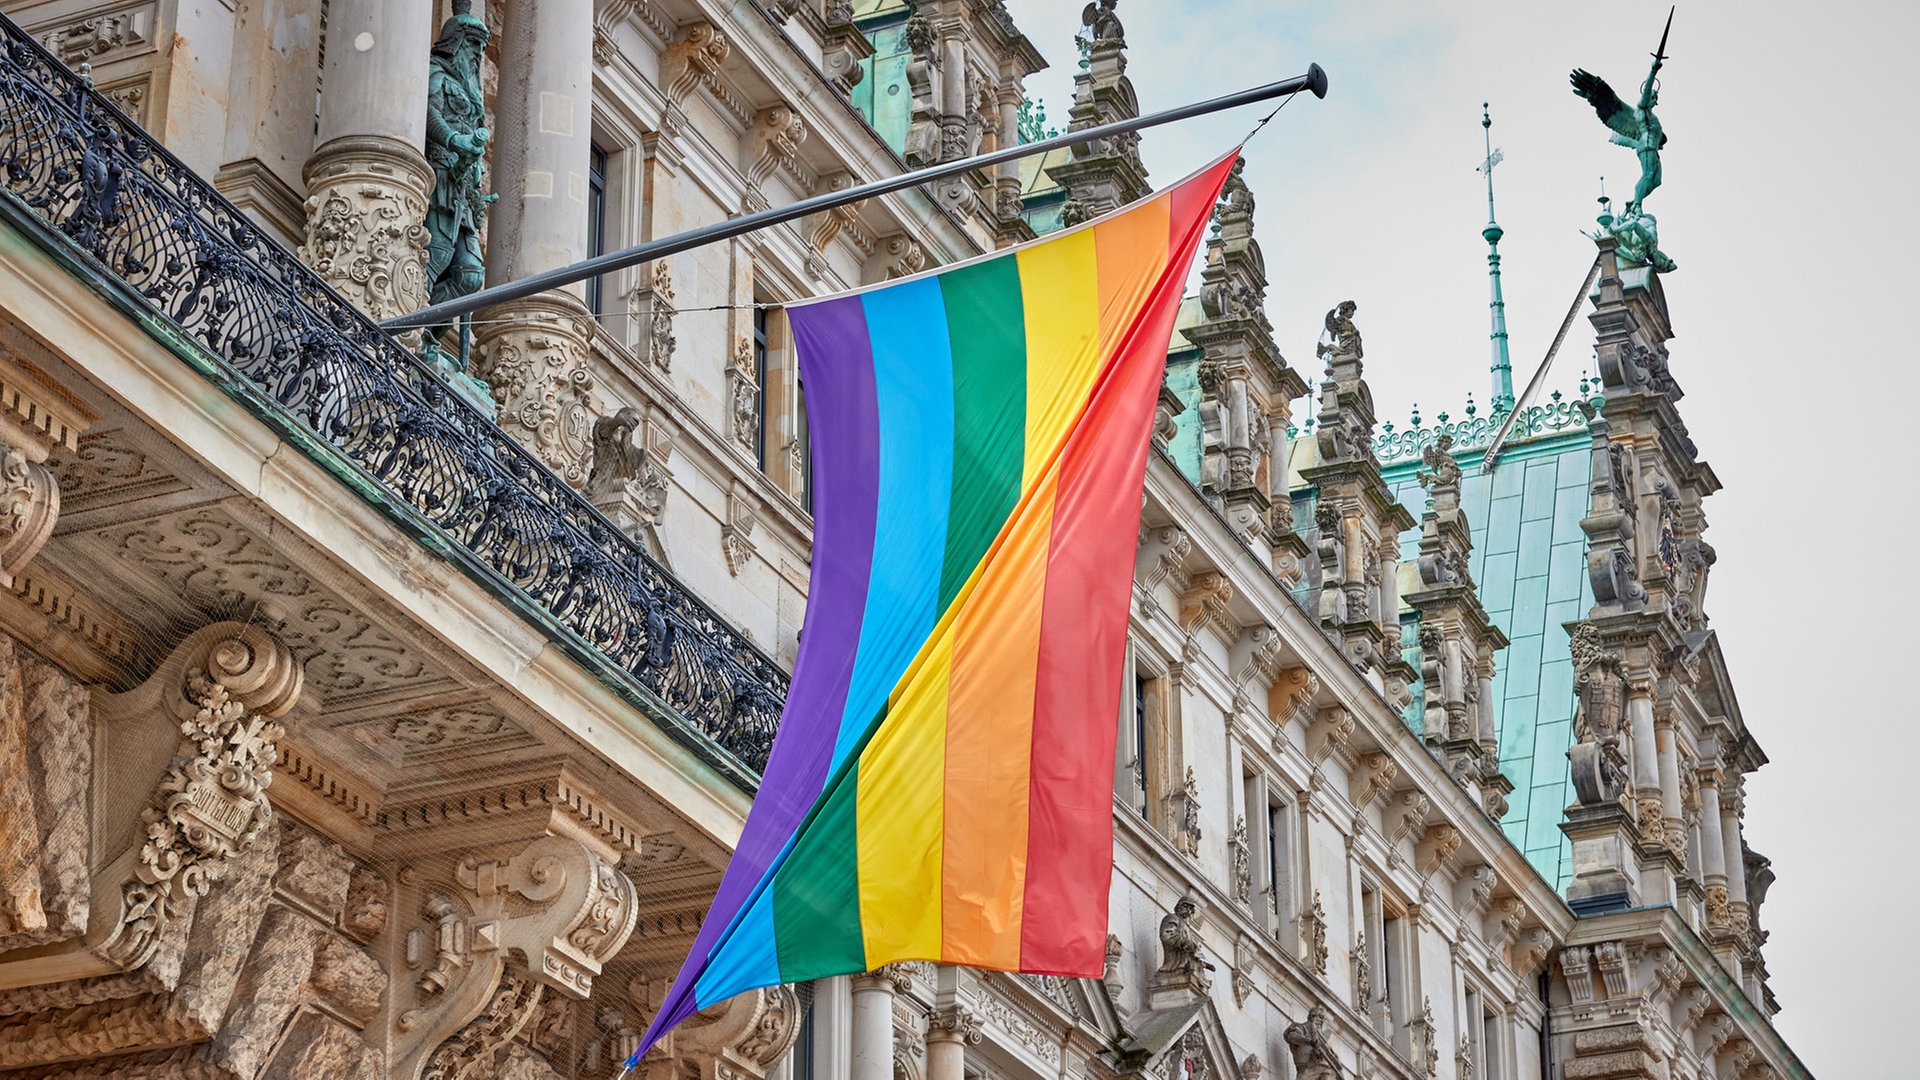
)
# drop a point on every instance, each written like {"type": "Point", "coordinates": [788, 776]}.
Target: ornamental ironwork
{"type": "Point", "coordinates": [1474, 432]}
{"type": "Point", "coordinates": [272, 334]}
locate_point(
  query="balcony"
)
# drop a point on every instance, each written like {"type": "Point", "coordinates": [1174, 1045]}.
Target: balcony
{"type": "Point", "coordinates": [107, 201]}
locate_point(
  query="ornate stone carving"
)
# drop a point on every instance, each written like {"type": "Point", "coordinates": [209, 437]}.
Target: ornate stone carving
{"type": "Point", "coordinates": [1599, 756]}
{"type": "Point", "coordinates": [366, 223]}
{"type": "Point", "coordinates": [1186, 816]}
{"type": "Point", "coordinates": [29, 505]}
{"type": "Point", "coordinates": [693, 60]}
{"type": "Point", "coordinates": [536, 364]}
{"type": "Point", "coordinates": [899, 256]}
{"type": "Point", "coordinates": [1313, 936]}
{"type": "Point", "coordinates": [736, 533]}
{"type": "Point", "coordinates": [90, 39]}
{"type": "Point", "coordinates": [651, 304]}
{"type": "Point", "coordinates": [1242, 858]}
{"type": "Point", "coordinates": [1362, 975]}
{"type": "Point", "coordinates": [772, 142]}
{"type": "Point", "coordinates": [743, 397]}
{"type": "Point", "coordinates": [470, 1054]}
{"type": "Point", "coordinates": [1290, 697]}
{"type": "Point", "coordinates": [955, 1021]}
{"type": "Point", "coordinates": [626, 481]}
{"type": "Point", "coordinates": [211, 803]}
{"type": "Point", "coordinates": [1113, 975]}
{"type": "Point", "coordinates": [1373, 778]}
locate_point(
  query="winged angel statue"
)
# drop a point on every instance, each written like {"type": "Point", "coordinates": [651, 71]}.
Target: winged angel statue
{"type": "Point", "coordinates": [1637, 128]}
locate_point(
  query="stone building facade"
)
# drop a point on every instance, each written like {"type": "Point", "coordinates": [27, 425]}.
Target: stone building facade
{"type": "Point", "coordinates": [353, 728]}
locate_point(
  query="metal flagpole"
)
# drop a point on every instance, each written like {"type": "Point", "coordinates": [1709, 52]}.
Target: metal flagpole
{"type": "Point", "coordinates": [1314, 80]}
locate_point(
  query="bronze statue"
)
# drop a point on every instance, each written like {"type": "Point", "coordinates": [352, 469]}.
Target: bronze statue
{"type": "Point", "coordinates": [456, 138]}
{"type": "Point", "coordinates": [1634, 126]}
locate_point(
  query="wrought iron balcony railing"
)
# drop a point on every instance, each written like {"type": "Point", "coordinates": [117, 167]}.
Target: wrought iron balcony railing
{"type": "Point", "coordinates": [115, 205]}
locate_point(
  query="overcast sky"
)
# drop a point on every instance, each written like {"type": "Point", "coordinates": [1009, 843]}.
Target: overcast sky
{"type": "Point", "coordinates": [1788, 205]}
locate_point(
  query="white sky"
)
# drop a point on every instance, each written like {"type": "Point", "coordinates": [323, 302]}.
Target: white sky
{"type": "Point", "coordinates": [1788, 204]}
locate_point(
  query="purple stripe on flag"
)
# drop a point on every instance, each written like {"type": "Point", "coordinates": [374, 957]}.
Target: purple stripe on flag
{"type": "Point", "coordinates": [836, 364]}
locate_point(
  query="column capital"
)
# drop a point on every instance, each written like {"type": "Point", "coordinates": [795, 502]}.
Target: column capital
{"type": "Point", "coordinates": [955, 1023]}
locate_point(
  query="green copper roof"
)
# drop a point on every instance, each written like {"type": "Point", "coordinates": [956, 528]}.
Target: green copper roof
{"type": "Point", "coordinates": [1530, 562]}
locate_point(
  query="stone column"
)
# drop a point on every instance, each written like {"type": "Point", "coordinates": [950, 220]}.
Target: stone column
{"type": "Point", "coordinates": [1713, 870]}
{"type": "Point", "coordinates": [1007, 178]}
{"type": "Point", "coordinates": [1646, 772]}
{"type": "Point", "coordinates": [367, 181]}
{"type": "Point", "coordinates": [1675, 826]}
{"type": "Point", "coordinates": [950, 1030]}
{"type": "Point", "coordinates": [872, 1026]}
{"type": "Point", "coordinates": [533, 352]}
{"type": "Point", "coordinates": [1734, 859]}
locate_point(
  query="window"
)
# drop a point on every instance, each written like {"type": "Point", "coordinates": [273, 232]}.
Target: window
{"type": "Point", "coordinates": [1473, 1031]}
{"type": "Point", "coordinates": [596, 221]}
{"type": "Point", "coordinates": [1397, 976]}
{"type": "Point", "coordinates": [804, 435]}
{"type": "Point", "coordinates": [1142, 688]}
{"type": "Point", "coordinates": [760, 316]}
{"type": "Point", "coordinates": [1279, 883]}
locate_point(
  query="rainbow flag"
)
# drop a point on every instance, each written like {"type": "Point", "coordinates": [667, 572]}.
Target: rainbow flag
{"type": "Point", "coordinates": [941, 787]}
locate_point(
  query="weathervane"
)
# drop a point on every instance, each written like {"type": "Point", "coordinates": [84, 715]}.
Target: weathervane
{"type": "Point", "coordinates": [1637, 128]}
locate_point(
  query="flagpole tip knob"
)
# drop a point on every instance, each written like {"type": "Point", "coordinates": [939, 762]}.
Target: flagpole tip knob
{"type": "Point", "coordinates": [1317, 80]}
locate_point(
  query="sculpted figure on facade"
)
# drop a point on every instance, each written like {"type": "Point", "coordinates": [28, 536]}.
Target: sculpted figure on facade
{"type": "Point", "coordinates": [1099, 23]}
{"type": "Point", "coordinates": [1180, 959]}
{"type": "Point", "coordinates": [1598, 758]}
{"type": "Point", "coordinates": [457, 139]}
{"type": "Point", "coordinates": [1340, 339]}
{"type": "Point", "coordinates": [1311, 1045]}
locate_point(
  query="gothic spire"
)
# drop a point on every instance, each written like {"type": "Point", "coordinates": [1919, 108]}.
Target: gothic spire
{"type": "Point", "coordinates": [1502, 366]}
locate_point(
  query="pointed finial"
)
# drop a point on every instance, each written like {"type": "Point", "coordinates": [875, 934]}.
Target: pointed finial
{"type": "Point", "coordinates": [1501, 364]}
{"type": "Point", "coordinates": [1416, 414]}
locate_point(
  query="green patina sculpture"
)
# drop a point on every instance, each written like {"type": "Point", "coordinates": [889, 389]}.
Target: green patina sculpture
{"type": "Point", "coordinates": [456, 138]}
{"type": "Point", "coordinates": [1637, 128]}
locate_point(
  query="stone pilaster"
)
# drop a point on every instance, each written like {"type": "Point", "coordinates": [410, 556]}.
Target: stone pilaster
{"type": "Point", "coordinates": [1356, 516]}
{"type": "Point", "coordinates": [1457, 640]}
{"type": "Point", "coordinates": [367, 180]}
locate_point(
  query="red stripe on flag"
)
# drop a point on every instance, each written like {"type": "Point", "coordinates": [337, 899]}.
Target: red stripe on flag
{"type": "Point", "coordinates": [1084, 626]}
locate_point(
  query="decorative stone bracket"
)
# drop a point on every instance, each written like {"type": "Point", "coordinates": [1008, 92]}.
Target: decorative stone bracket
{"type": "Point", "coordinates": [35, 417]}
{"type": "Point", "coordinates": [556, 906]}
{"type": "Point", "coordinates": [221, 690]}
